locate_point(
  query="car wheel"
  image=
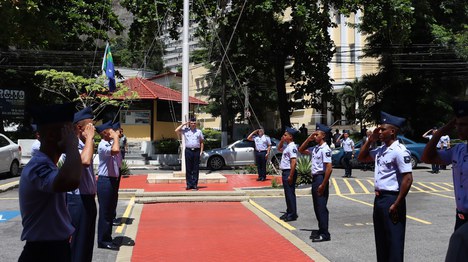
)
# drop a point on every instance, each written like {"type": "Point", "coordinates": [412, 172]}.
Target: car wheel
{"type": "Point", "coordinates": [14, 168]}
{"type": "Point", "coordinates": [215, 162]}
{"type": "Point", "coordinates": [414, 162]}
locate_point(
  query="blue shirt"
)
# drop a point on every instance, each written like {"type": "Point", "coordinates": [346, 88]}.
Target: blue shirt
{"type": "Point", "coordinates": [88, 180]}
{"type": "Point", "coordinates": [458, 156]}
{"type": "Point", "coordinates": [390, 163]}
{"type": "Point", "coordinates": [289, 153]}
{"type": "Point", "coordinates": [262, 142]}
{"type": "Point", "coordinates": [192, 138]}
{"type": "Point", "coordinates": [44, 212]}
{"type": "Point", "coordinates": [320, 156]}
{"type": "Point", "coordinates": [108, 164]}
{"type": "Point", "coordinates": [347, 144]}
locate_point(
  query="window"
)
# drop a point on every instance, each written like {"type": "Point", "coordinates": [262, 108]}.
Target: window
{"type": "Point", "coordinates": [338, 56]}
{"type": "Point", "coordinates": [3, 142]}
{"type": "Point", "coordinates": [352, 53]}
{"type": "Point", "coordinates": [244, 144]}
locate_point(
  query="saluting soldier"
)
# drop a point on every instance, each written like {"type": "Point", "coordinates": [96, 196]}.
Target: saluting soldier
{"type": "Point", "coordinates": [458, 157]}
{"type": "Point", "coordinates": [262, 151]}
{"type": "Point", "coordinates": [348, 146]}
{"type": "Point", "coordinates": [81, 201]}
{"type": "Point", "coordinates": [393, 179]}
{"type": "Point", "coordinates": [47, 225]}
{"type": "Point", "coordinates": [193, 150]}
{"type": "Point", "coordinates": [321, 171]}
{"type": "Point", "coordinates": [289, 173]}
{"type": "Point", "coordinates": [107, 184]}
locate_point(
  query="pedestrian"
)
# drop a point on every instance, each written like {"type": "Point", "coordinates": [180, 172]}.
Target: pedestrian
{"type": "Point", "coordinates": [368, 166]}
{"type": "Point", "coordinates": [303, 129]}
{"type": "Point", "coordinates": [193, 150]}
{"type": "Point", "coordinates": [392, 180]}
{"type": "Point", "coordinates": [123, 142]}
{"type": "Point", "coordinates": [36, 145]}
{"type": "Point", "coordinates": [428, 135]}
{"type": "Point", "coordinates": [107, 184]}
{"type": "Point", "coordinates": [119, 160]}
{"type": "Point", "coordinates": [47, 226]}
{"type": "Point", "coordinates": [262, 151]}
{"type": "Point", "coordinates": [321, 171]}
{"type": "Point", "coordinates": [81, 202]}
{"type": "Point", "coordinates": [444, 145]}
{"type": "Point", "coordinates": [336, 138]}
{"type": "Point", "coordinates": [289, 173]}
{"type": "Point", "coordinates": [457, 156]}
{"type": "Point", "coordinates": [348, 146]}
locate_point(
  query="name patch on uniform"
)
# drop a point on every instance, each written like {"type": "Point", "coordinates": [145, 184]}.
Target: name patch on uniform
{"type": "Point", "coordinates": [407, 159]}
{"type": "Point", "coordinates": [328, 154]}
{"type": "Point", "coordinates": [294, 151]}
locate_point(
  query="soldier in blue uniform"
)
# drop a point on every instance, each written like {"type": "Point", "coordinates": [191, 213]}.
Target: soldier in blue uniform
{"type": "Point", "coordinates": [321, 171]}
{"type": "Point", "coordinates": [392, 181]}
{"type": "Point", "coordinates": [458, 157]}
{"type": "Point", "coordinates": [47, 225]}
{"type": "Point", "coordinates": [119, 159]}
{"type": "Point", "coordinates": [348, 146]}
{"type": "Point", "coordinates": [81, 201]}
{"type": "Point", "coordinates": [262, 151]}
{"type": "Point", "coordinates": [107, 184]}
{"type": "Point", "coordinates": [289, 173]}
{"type": "Point", "coordinates": [193, 150]}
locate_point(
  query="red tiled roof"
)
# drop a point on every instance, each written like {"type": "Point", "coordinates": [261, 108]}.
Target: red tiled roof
{"type": "Point", "coordinates": [165, 74]}
{"type": "Point", "coordinates": [150, 90]}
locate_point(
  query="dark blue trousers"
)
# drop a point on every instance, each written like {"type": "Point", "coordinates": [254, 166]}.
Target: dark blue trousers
{"type": "Point", "coordinates": [107, 192]}
{"type": "Point", "coordinates": [320, 204]}
{"type": "Point", "coordinates": [192, 163]}
{"type": "Point", "coordinates": [389, 236]}
{"type": "Point", "coordinates": [53, 251]}
{"type": "Point", "coordinates": [83, 213]}
{"type": "Point", "coordinates": [260, 160]}
{"type": "Point", "coordinates": [347, 161]}
{"type": "Point", "coordinates": [290, 193]}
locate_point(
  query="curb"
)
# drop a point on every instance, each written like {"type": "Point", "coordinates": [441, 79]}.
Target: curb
{"type": "Point", "coordinates": [9, 186]}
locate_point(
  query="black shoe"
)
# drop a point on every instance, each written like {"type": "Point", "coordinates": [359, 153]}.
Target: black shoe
{"type": "Point", "coordinates": [291, 218]}
{"type": "Point", "coordinates": [110, 246]}
{"type": "Point", "coordinates": [314, 234]}
{"type": "Point", "coordinates": [188, 188]}
{"type": "Point", "coordinates": [321, 238]}
{"type": "Point", "coordinates": [262, 179]}
{"type": "Point", "coordinates": [194, 188]}
{"type": "Point", "coordinates": [259, 179]}
{"type": "Point", "coordinates": [345, 176]}
{"type": "Point", "coordinates": [284, 216]}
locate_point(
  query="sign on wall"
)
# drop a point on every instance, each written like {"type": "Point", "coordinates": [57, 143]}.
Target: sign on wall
{"type": "Point", "coordinates": [135, 117]}
{"type": "Point", "coordinates": [12, 103]}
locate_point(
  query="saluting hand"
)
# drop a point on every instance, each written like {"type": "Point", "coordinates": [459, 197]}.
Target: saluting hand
{"type": "Point", "coordinates": [88, 132]}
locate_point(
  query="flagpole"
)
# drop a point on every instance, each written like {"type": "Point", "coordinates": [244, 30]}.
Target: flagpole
{"type": "Point", "coordinates": [185, 74]}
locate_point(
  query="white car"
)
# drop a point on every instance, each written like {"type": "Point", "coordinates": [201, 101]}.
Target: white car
{"type": "Point", "coordinates": [10, 156]}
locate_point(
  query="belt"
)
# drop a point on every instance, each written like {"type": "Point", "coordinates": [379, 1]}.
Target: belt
{"type": "Point", "coordinates": [386, 192]}
{"type": "Point", "coordinates": [260, 151]}
{"type": "Point", "coordinates": [318, 174]}
{"type": "Point", "coordinates": [193, 148]}
{"type": "Point", "coordinates": [462, 215]}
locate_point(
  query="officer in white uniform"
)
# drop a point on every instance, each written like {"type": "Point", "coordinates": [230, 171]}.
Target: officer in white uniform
{"type": "Point", "coordinates": [458, 157]}
{"type": "Point", "coordinates": [348, 146]}
{"type": "Point", "coordinates": [47, 225]}
{"type": "Point", "coordinates": [193, 150]}
{"type": "Point", "coordinates": [36, 145]}
{"type": "Point", "coordinates": [262, 151]}
{"type": "Point", "coordinates": [393, 179]}
{"type": "Point", "coordinates": [428, 135]}
{"type": "Point", "coordinates": [107, 184]}
{"type": "Point", "coordinates": [81, 202]}
{"type": "Point", "coordinates": [289, 173]}
{"type": "Point", "coordinates": [321, 171]}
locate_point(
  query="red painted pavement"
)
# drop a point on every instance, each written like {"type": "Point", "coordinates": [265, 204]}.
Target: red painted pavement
{"type": "Point", "coordinates": [208, 232]}
{"type": "Point", "coordinates": [234, 181]}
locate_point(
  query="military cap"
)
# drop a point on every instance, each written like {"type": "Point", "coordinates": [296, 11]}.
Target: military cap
{"type": "Point", "coordinates": [460, 108]}
{"type": "Point", "coordinates": [193, 119]}
{"type": "Point", "coordinates": [85, 113]}
{"type": "Point", "coordinates": [106, 125]}
{"type": "Point", "coordinates": [291, 131]}
{"type": "Point", "coordinates": [116, 125]}
{"type": "Point", "coordinates": [51, 114]}
{"type": "Point", "coordinates": [386, 118]}
{"type": "Point", "coordinates": [322, 127]}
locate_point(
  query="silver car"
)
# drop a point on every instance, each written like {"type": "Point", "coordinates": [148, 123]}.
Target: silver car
{"type": "Point", "coordinates": [10, 156]}
{"type": "Point", "coordinates": [239, 153]}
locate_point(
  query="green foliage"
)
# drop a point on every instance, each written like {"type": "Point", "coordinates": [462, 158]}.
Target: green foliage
{"type": "Point", "coordinates": [212, 138]}
{"type": "Point", "coordinates": [303, 168]}
{"type": "Point", "coordinates": [274, 183]}
{"type": "Point", "coordinates": [167, 146]}
{"type": "Point", "coordinates": [124, 170]}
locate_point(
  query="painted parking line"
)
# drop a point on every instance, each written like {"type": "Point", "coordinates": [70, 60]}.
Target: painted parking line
{"type": "Point", "coordinates": [418, 188]}
{"type": "Point", "coordinates": [437, 185]}
{"type": "Point", "coordinates": [14, 183]}
{"type": "Point", "coordinates": [424, 185]}
{"type": "Point", "coordinates": [270, 215]}
{"type": "Point", "coordinates": [350, 188]}
{"type": "Point", "coordinates": [371, 182]}
{"type": "Point", "coordinates": [362, 186]}
{"type": "Point", "coordinates": [335, 185]}
{"type": "Point", "coordinates": [125, 215]}
{"type": "Point", "coordinates": [448, 184]}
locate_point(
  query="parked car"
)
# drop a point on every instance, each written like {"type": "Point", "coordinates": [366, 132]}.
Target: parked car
{"type": "Point", "coordinates": [416, 149]}
{"type": "Point", "coordinates": [239, 153]}
{"type": "Point", "coordinates": [10, 156]}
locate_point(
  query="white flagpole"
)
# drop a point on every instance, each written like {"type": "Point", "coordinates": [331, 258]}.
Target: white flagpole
{"type": "Point", "coordinates": [104, 59]}
{"type": "Point", "coordinates": [185, 74]}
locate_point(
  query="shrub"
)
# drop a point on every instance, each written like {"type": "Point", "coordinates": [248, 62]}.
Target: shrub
{"type": "Point", "coordinates": [303, 168]}
{"type": "Point", "coordinates": [167, 146]}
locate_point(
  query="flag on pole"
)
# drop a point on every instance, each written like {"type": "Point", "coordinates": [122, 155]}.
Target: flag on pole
{"type": "Point", "coordinates": [108, 68]}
